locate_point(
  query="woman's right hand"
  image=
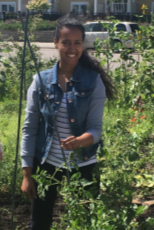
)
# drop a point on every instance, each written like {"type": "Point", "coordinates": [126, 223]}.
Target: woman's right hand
{"type": "Point", "coordinates": [28, 186]}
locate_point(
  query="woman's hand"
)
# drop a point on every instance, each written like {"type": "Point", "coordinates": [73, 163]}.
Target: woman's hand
{"type": "Point", "coordinates": [28, 186]}
{"type": "Point", "coordinates": [1, 152]}
{"type": "Point", "coordinates": [73, 142]}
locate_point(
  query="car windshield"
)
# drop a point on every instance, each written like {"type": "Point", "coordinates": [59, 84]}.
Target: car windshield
{"type": "Point", "coordinates": [134, 27]}
{"type": "Point", "coordinates": [120, 27]}
{"type": "Point", "coordinates": [95, 27]}
{"type": "Point", "coordinates": [89, 27]}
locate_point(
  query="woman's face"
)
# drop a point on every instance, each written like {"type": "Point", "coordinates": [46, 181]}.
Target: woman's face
{"type": "Point", "coordinates": [70, 45]}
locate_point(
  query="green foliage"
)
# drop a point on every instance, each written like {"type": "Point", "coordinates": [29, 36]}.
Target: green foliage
{"type": "Point", "coordinates": [9, 15]}
{"type": "Point", "coordinates": [11, 26]}
{"type": "Point", "coordinates": [44, 181]}
{"type": "Point", "coordinates": [8, 131]}
{"type": "Point", "coordinates": [10, 76]}
{"type": "Point", "coordinates": [46, 25]}
{"type": "Point", "coordinates": [128, 140]}
{"type": "Point", "coordinates": [12, 68]}
{"type": "Point", "coordinates": [126, 161]}
{"type": "Point", "coordinates": [111, 210]}
{"type": "Point", "coordinates": [38, 5]}
{"type": "Point", "coordinates": [42, 25]}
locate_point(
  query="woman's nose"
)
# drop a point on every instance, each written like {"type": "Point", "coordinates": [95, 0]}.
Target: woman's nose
{"type": "Point", "coordinates": [72, 46]}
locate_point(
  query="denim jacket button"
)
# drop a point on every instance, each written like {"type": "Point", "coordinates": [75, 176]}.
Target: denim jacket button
{"type": "Point", "coordinates": [57, 102]}
{"type": "Point", "coordinates": [82, 93]}
{"type": "Point", "coordinates": [70, 84]}
{"type": "Point", "coordinates": [86, 158]}
{"type": "Point", "coordinates": [69, 100]}
{"type": "Point", "coordinates": [47, 95]}
{"type": "Point", "coordinates": [72, 120]}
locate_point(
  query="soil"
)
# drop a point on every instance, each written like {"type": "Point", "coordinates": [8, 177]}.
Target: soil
{"type": "Point", "coordinates": [23, 211]}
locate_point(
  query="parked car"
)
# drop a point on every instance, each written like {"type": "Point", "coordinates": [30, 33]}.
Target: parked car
{"type": "Point", "coordinates": [95, 30]}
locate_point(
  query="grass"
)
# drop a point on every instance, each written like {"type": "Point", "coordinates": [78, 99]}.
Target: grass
{"type": "Point", "coordinates": [8, 134]}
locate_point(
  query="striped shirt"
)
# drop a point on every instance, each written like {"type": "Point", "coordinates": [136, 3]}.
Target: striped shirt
{"type": "Point", "coordinates": [55, 156]}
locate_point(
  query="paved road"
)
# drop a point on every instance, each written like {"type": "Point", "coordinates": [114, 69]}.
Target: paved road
{"type": "Point", "coordinates": [51, 53]}
{"type": "Point", "coordinates": [48, 51]}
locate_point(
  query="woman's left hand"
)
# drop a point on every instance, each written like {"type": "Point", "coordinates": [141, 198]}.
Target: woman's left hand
{"type": "Point", "coordinates": [71, 143]}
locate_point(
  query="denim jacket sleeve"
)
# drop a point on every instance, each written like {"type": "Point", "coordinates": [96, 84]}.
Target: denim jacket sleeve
{"type": "Point", "coordinates": [30, 127]}
{"type": "Point", "coordinates": [95, 114]}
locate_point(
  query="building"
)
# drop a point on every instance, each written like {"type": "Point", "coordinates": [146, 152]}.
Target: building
{"type": "Point", "coordinates": [128, 6]}
{"type": "Point", "coordinates": [14, 5]}
{"type": "Point", "coordinates": [78, 6]}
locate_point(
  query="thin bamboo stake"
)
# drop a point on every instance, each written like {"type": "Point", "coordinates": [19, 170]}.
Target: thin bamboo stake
{"type": "Point", "coordinates": [19, 123]}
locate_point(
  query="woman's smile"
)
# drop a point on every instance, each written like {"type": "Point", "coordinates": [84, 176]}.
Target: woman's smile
{"type": "Point", "coordinates": [71, 55]}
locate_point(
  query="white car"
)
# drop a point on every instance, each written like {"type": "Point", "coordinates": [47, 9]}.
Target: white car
{"type": "Point", "coordinates": [95, 30]}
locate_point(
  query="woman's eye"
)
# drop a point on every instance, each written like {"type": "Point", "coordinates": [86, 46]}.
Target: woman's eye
{"type": "Point", "coordinates": [66, 43]}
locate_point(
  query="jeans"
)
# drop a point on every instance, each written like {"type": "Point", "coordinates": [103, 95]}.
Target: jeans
{"type": "Point", "coordinates": [42, 210]}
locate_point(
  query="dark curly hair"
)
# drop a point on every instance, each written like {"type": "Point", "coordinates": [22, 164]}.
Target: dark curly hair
{"type": "Point", "coordinates": [86, 60]}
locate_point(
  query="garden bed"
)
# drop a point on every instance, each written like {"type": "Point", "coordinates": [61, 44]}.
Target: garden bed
{"type": "Point", "coordinates": [126, 161]}
{"type": "Point", "coordinates": [23, 211]}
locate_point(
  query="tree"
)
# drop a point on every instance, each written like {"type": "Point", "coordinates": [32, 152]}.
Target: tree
{"type": "Point", "coordinates": [38, 5]}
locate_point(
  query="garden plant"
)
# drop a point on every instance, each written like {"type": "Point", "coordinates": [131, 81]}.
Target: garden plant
{"type": "Point", "coordinates": [126, 160]}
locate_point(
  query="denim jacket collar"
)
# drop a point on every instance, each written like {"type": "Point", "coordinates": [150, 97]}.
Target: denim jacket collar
{"type": "Point", "coordinates": [53, 78]}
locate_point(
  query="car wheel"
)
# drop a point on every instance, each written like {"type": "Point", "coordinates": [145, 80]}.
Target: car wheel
{"type": "Point", "coordinates": [116, 45]}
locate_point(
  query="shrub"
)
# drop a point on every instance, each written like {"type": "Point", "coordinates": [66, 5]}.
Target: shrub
{"type": "Point", "coordinates": [43, 25]}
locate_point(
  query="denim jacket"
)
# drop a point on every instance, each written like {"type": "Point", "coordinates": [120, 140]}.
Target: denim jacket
{"type": "Point", "coordinates": [80, 90]}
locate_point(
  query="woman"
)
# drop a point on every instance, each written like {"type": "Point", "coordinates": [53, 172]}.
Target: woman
{"type": "Point", "coordinates": [1, 152]}
{"type": "Point", "coordinates": [76, 93]}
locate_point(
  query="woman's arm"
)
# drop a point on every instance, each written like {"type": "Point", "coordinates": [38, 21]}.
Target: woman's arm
{"type": "Point", "coordinates": [30, 127]}
{"type": "Point", "coordinates": [28, 186]}
{"type": "Point", "coordinates": [28, 140]}
{"type": "Point", "coordinates": [93, 121]}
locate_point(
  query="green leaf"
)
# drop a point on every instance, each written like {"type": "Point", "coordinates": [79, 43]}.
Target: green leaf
{"type": "Point", "coordinates": [133, 156]}
{"type": "Point", "coordinates": [4, 50]}
{"type": "Point", "coordinates": [150, 220]}
{"type": "Point", "coordinates": [140, 210]}
{"type": "Point", "coordinates": [38, 170]}
{"type": "Point", "coordinates": [103, 62]}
